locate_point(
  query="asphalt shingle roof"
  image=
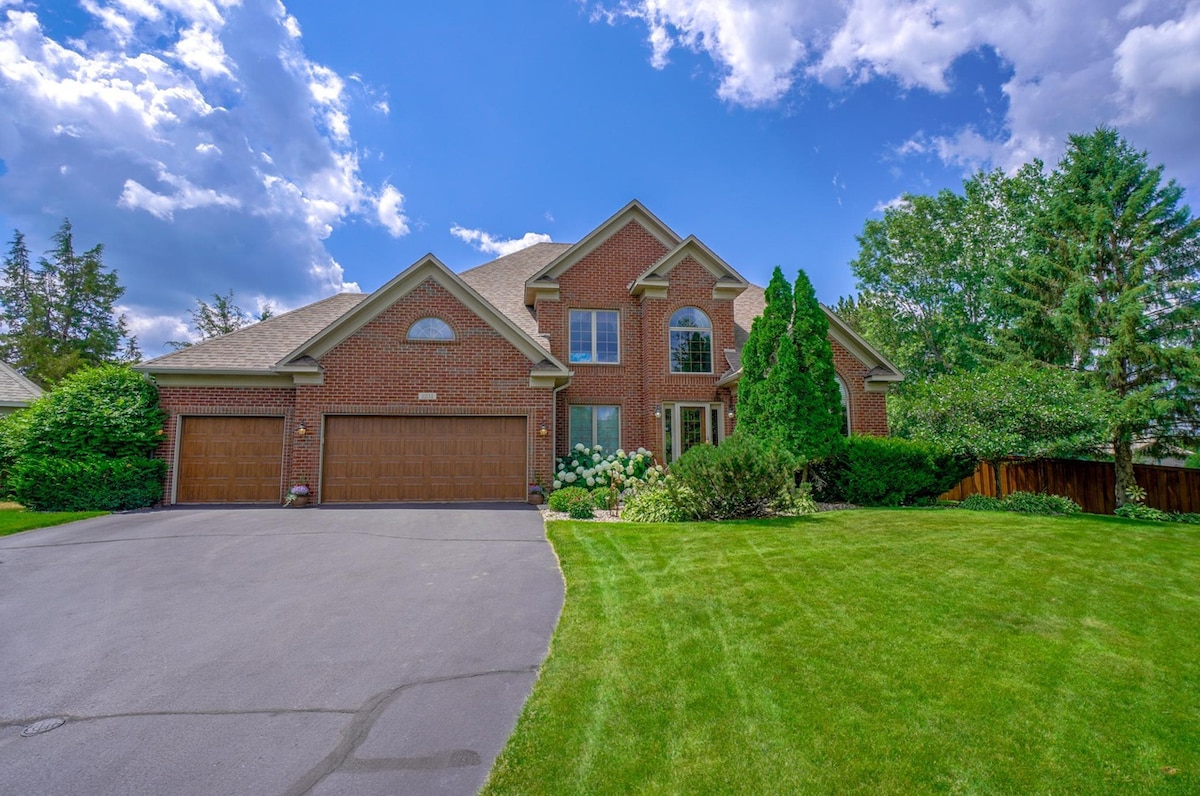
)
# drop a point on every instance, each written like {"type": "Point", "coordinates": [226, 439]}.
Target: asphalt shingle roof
{"type": "Point", "coordinates": [501, 282]}
{"type": "Point", "coordinates": [15, 388]}
{"type": "Point", "coordinates": [261, 346]}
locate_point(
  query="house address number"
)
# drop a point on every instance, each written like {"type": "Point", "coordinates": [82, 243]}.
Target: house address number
{"type": "Point", "coordinates": [426, 396]}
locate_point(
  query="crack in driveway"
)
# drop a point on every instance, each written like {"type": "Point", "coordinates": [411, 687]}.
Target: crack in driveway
{"type": "Point", "coordinates": [360, 726]}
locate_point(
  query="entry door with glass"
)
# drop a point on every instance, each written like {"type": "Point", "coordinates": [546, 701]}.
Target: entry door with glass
{"type": "Point", "coordinates": [686, 425]}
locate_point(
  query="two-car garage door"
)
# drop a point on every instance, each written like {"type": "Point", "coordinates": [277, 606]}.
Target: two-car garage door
{"type": "Point", "coordinates": [366, 459]}
{"type": "Point", "coordinates": [370, 459]}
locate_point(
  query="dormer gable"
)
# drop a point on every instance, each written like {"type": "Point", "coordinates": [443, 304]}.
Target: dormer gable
{"type": "Point", "coordinates": [544, 284]}
{"type": "Point", "coordinates": [653, 282]}
{"type": "Point", "coordinates": [545, 367]}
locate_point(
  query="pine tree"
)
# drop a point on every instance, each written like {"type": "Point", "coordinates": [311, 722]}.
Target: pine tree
{"type": "Point", "coordinates": [1121, 268]}
{"type": "Point", "coordinates": [59, 318]}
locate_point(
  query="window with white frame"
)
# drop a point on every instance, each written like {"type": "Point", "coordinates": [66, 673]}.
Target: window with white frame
{"type": "Point", "coordinates": [596, 425]}
{"type": "Point", "coordinates": [845, 405]}
{"type": "Point", "coordinates": [430, 329]}
{"type": "Point", "coordinates": [691, 341]}
{"type": "Point", "coordinates": [594, 336]}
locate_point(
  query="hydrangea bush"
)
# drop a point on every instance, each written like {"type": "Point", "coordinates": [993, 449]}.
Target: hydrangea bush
{"type": "Point", "coordinates": [591, 468]}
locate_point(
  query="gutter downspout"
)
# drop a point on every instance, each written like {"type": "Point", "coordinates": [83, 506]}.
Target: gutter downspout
{"type": "Point", "coordinates": [554, 421]}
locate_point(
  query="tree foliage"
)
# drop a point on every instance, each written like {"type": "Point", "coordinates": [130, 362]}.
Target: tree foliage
{"type": "Point", "coordinates": [109, 411]}
{"type": "Point", "coordinates": [819, 433]}
{"type": "Point", "coordinates": [788, 394]}
{"type": "Point", "coordinates": [1009, 410]}
{"type": "Point", "coordinates": [59, 316]}
{"type": "Point", "coordinates": [1119, 273]}
{"type": "Point", "coordinates": [220, 317]}
{"type": "Point", "coordinates": [1094, 267]}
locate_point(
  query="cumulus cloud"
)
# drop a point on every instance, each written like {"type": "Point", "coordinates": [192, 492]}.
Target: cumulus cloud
{"type": "Point", "coordinates": [196, 140]}
{"type": "Point", "coordinates": [1074, 64]}
{"type": "Point", "coordinates": [486, 243]}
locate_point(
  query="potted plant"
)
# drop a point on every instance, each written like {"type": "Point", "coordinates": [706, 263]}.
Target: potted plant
{"type": "Point", "coordinates": [536, 494]}
{"type": "Point", "coordinates": [297, 496]}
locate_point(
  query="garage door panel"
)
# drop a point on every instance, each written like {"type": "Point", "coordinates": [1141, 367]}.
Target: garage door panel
{"type": "Point", "coordinates": [431, 458]}
{"type": "Point", "coordinates": [230, 460]}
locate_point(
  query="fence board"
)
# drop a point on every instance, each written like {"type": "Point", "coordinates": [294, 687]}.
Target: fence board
{"type": "Point", "coordinates": [1090, 484]}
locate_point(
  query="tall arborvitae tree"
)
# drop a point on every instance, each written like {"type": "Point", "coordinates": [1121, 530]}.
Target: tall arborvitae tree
{"type": "Point", "coordinates": [60, 317]}
{"type": "Point", "coordinates": [818, 435]}
{"type": "Point", "coordinates": [1118, 274]}
{"type": "Point", "coordinates": [788, 393]}
{"type": "Point", "coordinates": [757, 401]}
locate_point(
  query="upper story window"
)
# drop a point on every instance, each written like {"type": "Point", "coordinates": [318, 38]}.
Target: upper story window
{"type": "Point", "coordinates": [691, 341]}
{"type": "Point", "coordinates": [430, 329]}
{"type": "Point", "coordinates": [594, 336]}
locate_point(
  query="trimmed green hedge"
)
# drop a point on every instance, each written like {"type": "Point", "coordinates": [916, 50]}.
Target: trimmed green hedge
{"type": "Point", "coordinates": [888, 471]}
{"type": "Point", "coordinates": [48, 483]}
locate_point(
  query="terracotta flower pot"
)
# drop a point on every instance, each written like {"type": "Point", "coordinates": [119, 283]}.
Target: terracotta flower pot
{"type": "Point", "coordinates": [535, 498]}
{"type": "Point", "coordinates": [299, 502]}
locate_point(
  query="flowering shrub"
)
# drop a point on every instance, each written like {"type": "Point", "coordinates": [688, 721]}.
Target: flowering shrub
{"type": "Point", "coordinates": [300, 490]}
{"type": "Point", "coordinates": [590, 468]}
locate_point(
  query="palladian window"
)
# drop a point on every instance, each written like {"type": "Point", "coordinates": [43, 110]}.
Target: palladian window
{"type": "Point", "coordinates": [430, 329]}
{"type": "Point", "coordinates": [691, 342]}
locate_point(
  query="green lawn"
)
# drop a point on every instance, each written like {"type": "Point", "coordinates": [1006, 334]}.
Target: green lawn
{"type": "Point", "coordinates": [875, 652]}
{"type": "Point", "coordinates": [14, 519]}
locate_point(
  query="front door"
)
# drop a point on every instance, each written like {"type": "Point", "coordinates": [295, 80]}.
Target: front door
{"type": "Point", "coordinates": [687, 425]}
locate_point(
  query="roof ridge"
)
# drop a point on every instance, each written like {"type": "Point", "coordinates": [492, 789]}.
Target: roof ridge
{"type": "Point", "coordinates": [514, 254]}
{"type": "Point", "coordinates": [257, 325]}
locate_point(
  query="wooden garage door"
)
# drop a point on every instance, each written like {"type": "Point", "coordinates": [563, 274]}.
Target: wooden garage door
{"type": "Point", "coordinates": [230, 460]}
{"type": "Point", "coordinates": [370, 459]}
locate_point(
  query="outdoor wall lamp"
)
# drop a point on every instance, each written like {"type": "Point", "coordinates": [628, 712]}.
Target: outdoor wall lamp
{"type": "Point", "coordinates": [543, 431]}
{"type": "Point", "coordinates": [301, 431]}
{"type": "Point", "coordinates": [731, 414]}
{"type": "Point", "coordinates": [658, 411]}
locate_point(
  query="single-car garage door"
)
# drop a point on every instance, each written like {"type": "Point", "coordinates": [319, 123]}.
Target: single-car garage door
{"type": "Point", "coordinates": [370, 459]}
{"type": "Point", "coordinates": [230, 460]}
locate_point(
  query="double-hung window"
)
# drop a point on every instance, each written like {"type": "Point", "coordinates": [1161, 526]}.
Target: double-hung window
{"type": "Point", "coordinates": [594, 336]}
{"type": "Point", "coordinates": [596, 425]}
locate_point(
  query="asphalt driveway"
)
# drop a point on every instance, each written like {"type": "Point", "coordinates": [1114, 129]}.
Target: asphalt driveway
{"type": "Point", "coordinates": [271, 651]}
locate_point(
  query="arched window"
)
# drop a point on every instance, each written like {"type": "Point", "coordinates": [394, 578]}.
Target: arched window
{"type": "Point", "coordinates": [845, 405]}
{"type": "Point", "coordinates": [430, 329]}
{"type": "Point", "coordinates": [691, 341]}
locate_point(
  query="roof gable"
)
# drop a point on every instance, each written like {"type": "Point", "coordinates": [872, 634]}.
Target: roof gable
{"type": "Point", "coordinates": [634, 212]}
{"type": "Point", "coordinates": [427, 268]}
{"type": "Point", "coordinates": [15, 389]}
{"type": "Point", "coordinates": [729, 283]}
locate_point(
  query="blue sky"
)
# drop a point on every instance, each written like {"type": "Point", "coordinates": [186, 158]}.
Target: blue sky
{"type": "Point", "coordinates": [288, 151]}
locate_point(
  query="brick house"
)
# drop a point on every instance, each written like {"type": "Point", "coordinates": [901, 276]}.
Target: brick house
{"type": "Point", "coordinates": [443, 386]}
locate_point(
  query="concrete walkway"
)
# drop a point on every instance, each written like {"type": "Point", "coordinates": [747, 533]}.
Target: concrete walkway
{"type": "Point", "coordinates": [271, 651]}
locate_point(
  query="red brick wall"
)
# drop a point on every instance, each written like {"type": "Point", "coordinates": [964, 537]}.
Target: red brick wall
{"type": "Point", "coordinates": [379, 371]}
{"type": "Point", "coordinates": [643, 381]}
{"type": "Point", "coordinates": [868, 410]}
{"type": "Point", "coordinates": [182, 401]}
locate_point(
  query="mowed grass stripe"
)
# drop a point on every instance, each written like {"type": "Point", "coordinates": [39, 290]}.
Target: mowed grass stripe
{"type": "Point", "coordinates": [869, 652]}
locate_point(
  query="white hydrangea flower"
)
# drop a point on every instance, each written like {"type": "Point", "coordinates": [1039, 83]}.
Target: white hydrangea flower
{"type": "Point", "coordinates": [629, 470]}
{"type": "Point", "coordinates": [642, 451]}
{"type": "Point", "coordinates": [596, 457]}
{"type": "Point", "coordinates": [571, 478]}
{"type": "Point", "coordinates": [579, 446]}
{"type": "Point", "coordinates": [620, 453]}
{"type": "Point", "coordinates": [579, 469]}
{"type": "Point", "coordinates": [597, 449]}
{"type": "Point", "coordinates": [591, 482]}
{"type": "Point", "coordinates": [558, 484]}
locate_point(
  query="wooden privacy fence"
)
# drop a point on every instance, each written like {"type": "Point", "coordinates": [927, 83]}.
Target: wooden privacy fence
{"type": "Point", "coordinates": [1090, 484]}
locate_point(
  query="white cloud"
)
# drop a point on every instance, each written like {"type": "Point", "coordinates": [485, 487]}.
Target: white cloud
{"type": "Point", "coordinates": [391, 211]}
{"type": "Point", "coordinates": [169, 132]}
{"type": "Point", "coordinates": [484, 242]}
{"type": "Point", "coordinates": [1075, 64]}
{"type": "Point", "coordinates": [895, 203]}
